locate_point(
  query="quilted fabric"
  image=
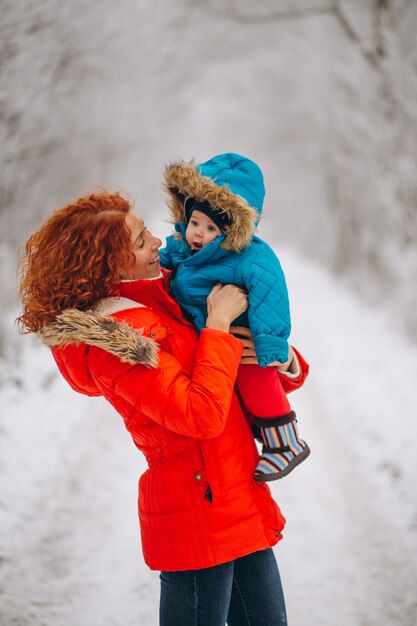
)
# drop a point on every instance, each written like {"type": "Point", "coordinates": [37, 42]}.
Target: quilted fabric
{"type": "Point", "coordinates": [256, 269]}
{"type": "Point", "coordinates": [198, 503]}
{"type": "Point", "coordinates": [234, 183]}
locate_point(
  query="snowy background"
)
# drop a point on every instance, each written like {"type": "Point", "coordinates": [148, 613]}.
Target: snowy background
{"type": "Point", "coordinates": [323, 95]}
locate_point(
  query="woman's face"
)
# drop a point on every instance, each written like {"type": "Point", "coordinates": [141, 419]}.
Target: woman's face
{"type": "Point", "coordinates": [145, 248]}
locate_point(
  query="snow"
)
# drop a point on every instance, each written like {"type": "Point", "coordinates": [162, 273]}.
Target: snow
{"type": "Point", "coordinates": [349, 553]}
{"type": "Point", "coordinates": [102, 95]}
{"type": "Point", "coordinates": [70, 546]}
{"type": "Point", "coordinates": [93, 95]}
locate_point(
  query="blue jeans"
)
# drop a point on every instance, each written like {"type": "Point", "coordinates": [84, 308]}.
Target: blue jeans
{"type": "Point", "coordinates": [244, 592]}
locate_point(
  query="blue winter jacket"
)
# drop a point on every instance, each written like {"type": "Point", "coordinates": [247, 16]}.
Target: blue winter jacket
{"type": "Point", "coordinates": [228, 182]}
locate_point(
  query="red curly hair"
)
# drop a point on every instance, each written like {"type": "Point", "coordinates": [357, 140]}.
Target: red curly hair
{"type": "Point", "coordinates": [74, 258]}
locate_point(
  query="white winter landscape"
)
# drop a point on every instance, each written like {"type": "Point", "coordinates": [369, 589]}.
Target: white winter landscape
{"type": "Point", "coordinates": [324, 97]}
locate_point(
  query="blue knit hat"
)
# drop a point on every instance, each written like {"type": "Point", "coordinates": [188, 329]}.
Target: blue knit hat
{"type": "Point", "coordinates": [220, 218]}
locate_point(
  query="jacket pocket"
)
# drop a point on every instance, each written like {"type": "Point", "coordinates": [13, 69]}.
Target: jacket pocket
{"type": "Point", "coordinates": [202, 477]}
{"type": "Point", "coordinates": [208, 495]}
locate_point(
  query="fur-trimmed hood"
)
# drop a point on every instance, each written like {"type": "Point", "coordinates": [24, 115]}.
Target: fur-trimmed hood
{"type": "Point", "coordinates": [94, 328]}
{"type": "Point", "coordinates": [230, 183]}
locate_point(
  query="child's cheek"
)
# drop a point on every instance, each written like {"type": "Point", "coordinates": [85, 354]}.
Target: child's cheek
{"type": "Point", "coordinates": [188, 235]}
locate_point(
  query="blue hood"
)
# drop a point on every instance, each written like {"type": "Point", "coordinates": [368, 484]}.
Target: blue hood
{"type": "Point", "coordinates": [230, 183]}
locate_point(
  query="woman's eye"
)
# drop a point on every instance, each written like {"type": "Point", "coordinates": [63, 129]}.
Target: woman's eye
{"type": "Point", "coordinates": [141, 242]}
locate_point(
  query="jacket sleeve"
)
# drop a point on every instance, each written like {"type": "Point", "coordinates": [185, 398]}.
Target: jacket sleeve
{"type": "Point", "coordinates": [165, 257]}
{"type": "Point", "coordinates": [295, 378]}
{"type": "Point", "coordinates": [269, 310]}
{"type": "Point", "coordinates": [174, 252]}
{"type": "Point", "coordinates": [195, 406]}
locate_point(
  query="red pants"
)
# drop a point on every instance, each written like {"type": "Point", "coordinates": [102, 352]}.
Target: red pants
{"type": "Point", "coordinates": [261, 391]}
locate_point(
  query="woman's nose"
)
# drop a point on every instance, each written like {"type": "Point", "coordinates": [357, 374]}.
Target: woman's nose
{"type": "Point", "coordinates": [157, 243]}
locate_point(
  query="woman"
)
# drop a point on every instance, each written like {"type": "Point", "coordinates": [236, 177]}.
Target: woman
{"type": "Point", "coordinates": [93, 289]}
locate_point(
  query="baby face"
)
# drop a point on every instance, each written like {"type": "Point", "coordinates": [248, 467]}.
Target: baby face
{"type": "Point", "coordinates": [200, 230]}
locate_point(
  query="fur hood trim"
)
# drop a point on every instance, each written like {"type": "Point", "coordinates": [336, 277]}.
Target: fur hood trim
{"type": "Point", "coordinates": [183, 180]}
{"type": "Point", "coordinates": [95, 329]}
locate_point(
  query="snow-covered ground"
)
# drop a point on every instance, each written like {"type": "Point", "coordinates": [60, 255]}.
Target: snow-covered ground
{"type": "Point", "coordinates": [70, 547]}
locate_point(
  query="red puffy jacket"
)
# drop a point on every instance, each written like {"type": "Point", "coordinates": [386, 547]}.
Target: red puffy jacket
{"type": "Point", "coordinates": [198, 502]}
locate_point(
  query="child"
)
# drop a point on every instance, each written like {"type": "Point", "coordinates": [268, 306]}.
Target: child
{"type": "Point", "coordinates": [216, 207]}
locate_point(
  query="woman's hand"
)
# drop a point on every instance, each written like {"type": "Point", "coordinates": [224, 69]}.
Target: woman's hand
{"type": "Point", "coordinates": [224, 304]}
{"type": "Point", "coordinates": [249, 355]}
{"type": "Point", "coordinates": [244, 334]}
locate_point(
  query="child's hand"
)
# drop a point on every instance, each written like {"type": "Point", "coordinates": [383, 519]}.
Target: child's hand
{"type": "Point", "coordinates": [244, 334]}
